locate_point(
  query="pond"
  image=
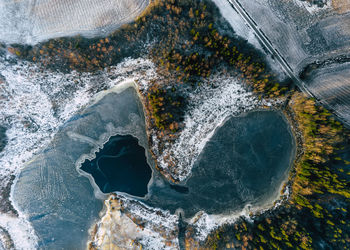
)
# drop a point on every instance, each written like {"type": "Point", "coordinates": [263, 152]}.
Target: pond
{"type": "Point", "coordinates": [105, 149]}
{"type": "Point", "coordinates": [61, 201]}
{"type": "Point", "coordinates": [120, 165]}
{"type": "Point", "coordinates": [244, 163]}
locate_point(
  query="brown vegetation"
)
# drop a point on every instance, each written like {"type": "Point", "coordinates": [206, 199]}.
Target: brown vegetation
{"type": "Point", "coordinates": [181, 39]}
{"type": "Point", "coordinates": [322, 135]}
{"type": "Point", "coordinates": [341, 6]}
{"type": "Point", "coordinates": [187, 44]}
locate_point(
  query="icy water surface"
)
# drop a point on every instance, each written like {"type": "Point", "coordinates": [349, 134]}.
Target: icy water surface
{"type": "Point", "coordinates": [59, 200]}
{"type": "Point", "coordinates": [244, 163]}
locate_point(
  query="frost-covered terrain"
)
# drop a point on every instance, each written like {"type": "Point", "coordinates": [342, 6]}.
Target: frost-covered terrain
{"type": "Point", "coordinates": [128, 222]}
{"type": "Point", "coordinates": [210, 104]}
{"type": "Point", "coordinates": [20, 234]}
{"type": "Point", "coordinates": [37, 104]}
{"type": "Point", "coordinates": [31, 21]}
{"type": "Point", "coordinates": [131, 225]}
{"type": "Point", "coordinates": [33, 107]}
{"type": "Point", "coordinates": [313, 6]}
{"type": "Point", "coordinates": [303, 34]}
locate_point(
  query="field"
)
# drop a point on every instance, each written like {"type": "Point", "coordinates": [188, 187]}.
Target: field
{"type": "Point", "coordinates": [35, 21]}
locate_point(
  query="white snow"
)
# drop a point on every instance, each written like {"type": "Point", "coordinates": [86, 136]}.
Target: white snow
{"type": "Point", "coordinates": [237, 23]}
{"type": "Point", "coordinates": [29, 21]}
{"type": "Point", "coordinates": [35, 104]}
{"type": "Point", "coordinates": [161, 220]}
{"type": "Point", "coordinates": [159, 227]}
{"type": "Point", "coordinates": [157, 219]}
{"type": "Point", "coordinates": [210, 105]}
{"type": "Point", "coordinates": [25, 237]}
{"type": "Point", "coordinates": [312, 8]}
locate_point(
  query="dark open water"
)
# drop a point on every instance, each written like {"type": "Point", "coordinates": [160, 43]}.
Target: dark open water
{"type": "Point", "coordinates": [120, 166]}
{"type": "Point", "coordinates": [245, 162]}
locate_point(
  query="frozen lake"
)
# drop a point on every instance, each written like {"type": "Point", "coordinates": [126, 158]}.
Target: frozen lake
{"type": "Point", "coordinates": [244, 163]}
{"type": "Point", "coordinates": [59, 200]}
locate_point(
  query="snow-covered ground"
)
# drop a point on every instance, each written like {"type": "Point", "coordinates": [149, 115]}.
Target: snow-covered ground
{"type": "Point", "coordinates": [237, 22]}
{"type": "Point", "coordinates": [210, 105]}
{"type": "Point", "coordinates": [244, 31]}
{"type": "Point", "coordinates": [20, 231]}
{"type": "Point", "coordinates": [120, 226]}
{"type": "Point", "coordinates": [33, 107]}
{"type": "Point", "coordinates": [31, 21]}
{"type": "Point", "coordinates": [155, 228]}
{"type": "Point", "coordinates": [313, 8]}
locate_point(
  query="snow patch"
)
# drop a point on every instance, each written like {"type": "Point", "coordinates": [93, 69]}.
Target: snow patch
{"type": "Point", "coordinates": [240, 27]}
{"type": "Point", "coordinates": [35, 104]}
{"type": "Point", "coordinates": [157, 219]}
{"type": "Point", "coordinates": [313, 8]}
{"type": "Point", "coordinates": [218, 98]}
{"type": "Point", "coordinates": [205, 223]}
{"type": "Point", "coordinates": [128, 221]}
{"type": "Point", "coordinates": [34, 21]}
{"type": "Point", "coordinates": [25, 237]}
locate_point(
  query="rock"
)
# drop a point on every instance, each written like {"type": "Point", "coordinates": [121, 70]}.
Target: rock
{"type": "Point", "coordinates": [129, 224]}
{"type": "Point", "coordinates": [116, 230]}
